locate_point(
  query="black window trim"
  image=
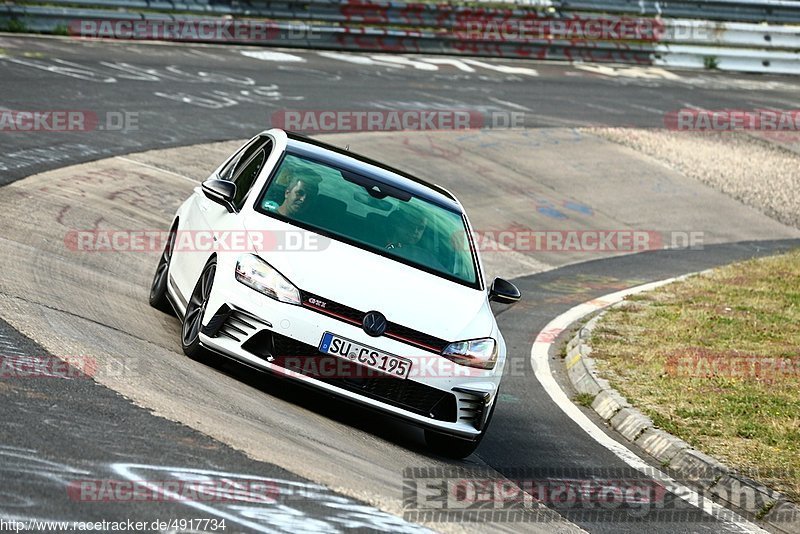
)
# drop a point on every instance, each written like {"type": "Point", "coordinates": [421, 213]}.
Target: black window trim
{"type": "Point", "coordinates": [234, 156]}
{"type": "Point", "coordinates": [266, 141]}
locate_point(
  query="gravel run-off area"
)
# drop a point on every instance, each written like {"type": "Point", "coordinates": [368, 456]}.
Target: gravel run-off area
{"type": "Point", "coordinates": [758, 171]}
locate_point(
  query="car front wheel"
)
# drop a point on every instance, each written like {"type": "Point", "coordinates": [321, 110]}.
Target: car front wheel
{"type": "Point", "coordinates": [158, 289]}
{"type": "Point", "coordinates": [195, 309]}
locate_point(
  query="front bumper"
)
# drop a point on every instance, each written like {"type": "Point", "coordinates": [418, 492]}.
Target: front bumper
{"type": "Point", "coordinates": [283, 339]}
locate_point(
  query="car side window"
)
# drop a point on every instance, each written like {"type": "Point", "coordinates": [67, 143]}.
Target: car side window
{"type": "Point", "coordinates": [245, 179]}
{"type": "Point", "coordinates": [240, 158]}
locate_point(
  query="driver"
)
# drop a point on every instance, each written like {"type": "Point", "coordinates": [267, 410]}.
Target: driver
{"type": "Point", "coordinates": [302, 188]}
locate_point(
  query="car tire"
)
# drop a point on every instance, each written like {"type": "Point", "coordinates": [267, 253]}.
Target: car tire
{"type": "Point", "coordinates": [158, 289]}
{"type": "Point", "coordinates": [195, 309]}
{"type": "Point", "coordinates": [454, 447]}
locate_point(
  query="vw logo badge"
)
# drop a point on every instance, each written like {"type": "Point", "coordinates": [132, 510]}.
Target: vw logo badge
{"type": "Point", "coordinates": [374, 324]}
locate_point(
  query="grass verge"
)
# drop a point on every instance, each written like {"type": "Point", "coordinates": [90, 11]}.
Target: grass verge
{"type": "Point", "coordinates": [715, 360]}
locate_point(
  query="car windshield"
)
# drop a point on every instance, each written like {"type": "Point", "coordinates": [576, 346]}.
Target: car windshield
{"type": "Point", "coordinates": [372, 215]}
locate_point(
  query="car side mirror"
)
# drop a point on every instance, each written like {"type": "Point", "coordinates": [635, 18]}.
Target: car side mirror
{"type": "Point", "coordinates": [220, 191]}
{"type": "Point", "coordinates": [504, 292]}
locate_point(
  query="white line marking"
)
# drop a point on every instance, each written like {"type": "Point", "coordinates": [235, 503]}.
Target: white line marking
{"type": "Point", "coordinates": [607, 109]}
{"type": "Point", "coordinates": [541, 368]}
{"type": "Point", "coordinates": [648, 73]}
{"type": "Point", "coordinates": [128, 471]}
{"type": "Point", "coordinates": [404, 61]}
{"type": "Point", "coordinates": [647, 108]}
{"type": "Point", "coordinates": [276, 514]}
{"type": "Point", "coordinates": [153, 167]}
{"type": "Point", "coordinates": [358, 60]}
{"type": "Point", "coordinates": [509, 104]}
{"type": "Point", "coordinates": [266, 55]}
{"type": "Point", "coordinates": [457, 63]}
{"type": "Point", "coordinates": [505, 69]}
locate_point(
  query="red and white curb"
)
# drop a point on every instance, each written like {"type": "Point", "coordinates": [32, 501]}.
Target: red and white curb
{"type": "Point", "coordinates": [541, 367]}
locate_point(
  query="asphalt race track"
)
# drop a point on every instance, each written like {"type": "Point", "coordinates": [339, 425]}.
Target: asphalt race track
{"type": "Point", "coordinates": [331, 466]}
{"type": "Point", "coordinates": [194, 94]}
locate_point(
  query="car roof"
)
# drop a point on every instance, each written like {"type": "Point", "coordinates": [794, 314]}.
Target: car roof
{"type": "Point", "coordinates": [350, 161]}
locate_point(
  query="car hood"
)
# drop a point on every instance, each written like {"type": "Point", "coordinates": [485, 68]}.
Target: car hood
{"type": "Point", "coordinates": [363, 280]}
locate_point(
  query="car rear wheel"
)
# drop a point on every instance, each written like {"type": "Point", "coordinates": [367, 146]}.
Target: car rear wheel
{"type": "Point", "coordinates": [195, 309]}
{"type": "Point", "coordinates": [158, 289]}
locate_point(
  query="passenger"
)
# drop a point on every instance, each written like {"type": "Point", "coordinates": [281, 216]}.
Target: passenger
{"type": "Point", "coordinates": [405, 229]}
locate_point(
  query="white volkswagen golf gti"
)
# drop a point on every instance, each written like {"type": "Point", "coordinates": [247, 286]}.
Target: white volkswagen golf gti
{"type": "Point", "coordinates": [344, 274]}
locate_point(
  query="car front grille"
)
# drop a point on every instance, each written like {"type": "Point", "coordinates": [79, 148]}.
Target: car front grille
{"type": "Point", "coordinates": [306, 359]}
{"type": "Point", "coordinates": [356, 317]}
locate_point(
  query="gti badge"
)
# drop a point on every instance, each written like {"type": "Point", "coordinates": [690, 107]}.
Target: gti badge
{"type": "Point", "coordinates": [374, 323]}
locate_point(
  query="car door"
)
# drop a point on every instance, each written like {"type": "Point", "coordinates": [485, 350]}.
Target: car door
{"type": "Point", "coordinates": [204, 222]}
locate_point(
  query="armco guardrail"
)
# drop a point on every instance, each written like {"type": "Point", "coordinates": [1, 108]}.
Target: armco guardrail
{"type": "Point", "coordinates": [330, 37]}
{"type": "Point", "coordinates": [772, 11]}
{"type": "Point", "coordinates": [731, 34]}
{"type": "Point", "coordinates": [443, 15]}
{"type": "Point", "coordinates": [550, 33]}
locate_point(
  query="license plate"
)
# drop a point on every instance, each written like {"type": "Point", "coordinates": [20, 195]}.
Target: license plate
{"type": "Point", "coordinates": [366, 356]}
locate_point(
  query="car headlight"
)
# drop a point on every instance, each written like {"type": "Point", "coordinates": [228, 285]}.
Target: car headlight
{"type": "Point", "coordinates": [480, 353]}
{"type": "Point", "coordinates": [257, 274]}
